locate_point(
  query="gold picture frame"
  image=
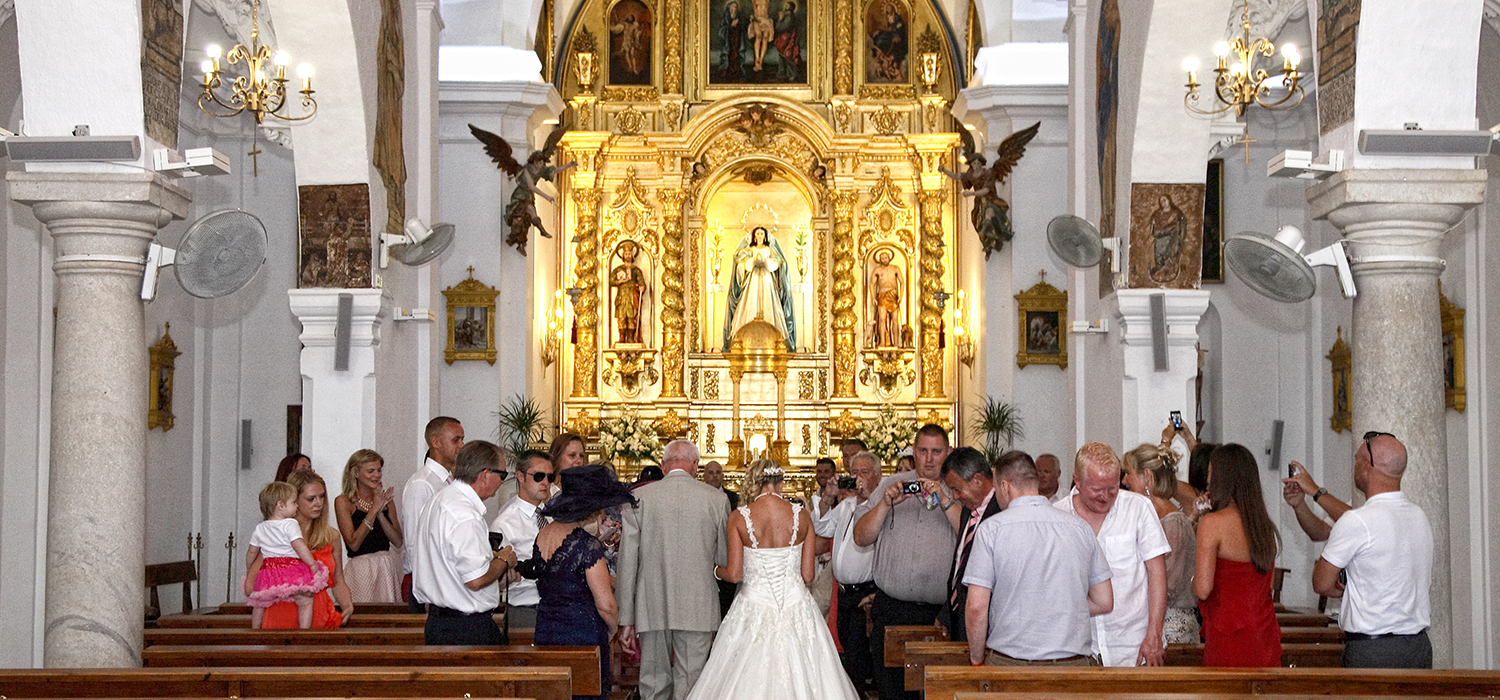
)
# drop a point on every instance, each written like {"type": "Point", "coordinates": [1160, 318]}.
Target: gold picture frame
{"type": "Point", "coordinates": [163, 365]}
{"type": "Point", "coordinates": [1340, 358]}
{"type": "Point", "coordinates": [1453, 353]}
{"type": "Point", "coordinates": [1042, 318]}
{"type": "Point", "coordinates": [471, 320]}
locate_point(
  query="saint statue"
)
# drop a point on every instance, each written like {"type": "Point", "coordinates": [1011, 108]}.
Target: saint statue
{"type": "Point", "coordinates": [629, 283]}
{"type": "Point", "coordinates": [885, 301]}
{"type": "Point", "coordinates": [761, 288]}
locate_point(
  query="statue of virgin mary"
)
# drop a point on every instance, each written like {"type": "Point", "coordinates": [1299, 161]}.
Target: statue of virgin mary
{"type": "Point", "coordinates": [760, 287]}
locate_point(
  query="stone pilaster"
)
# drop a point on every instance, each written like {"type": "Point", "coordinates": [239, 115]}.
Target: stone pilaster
{"type": "Point", "coordinates": [1148, 396]}
{"type": "Point", "coordinates": [1394, 221]}
{"type": "Point", "coordinates": [338, 415]}
{"type": "Point", "coordinates": [101, 225]}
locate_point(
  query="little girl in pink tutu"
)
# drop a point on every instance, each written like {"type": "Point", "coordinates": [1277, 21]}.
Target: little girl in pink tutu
{"type": "Point", "coordinates": [286, 573]}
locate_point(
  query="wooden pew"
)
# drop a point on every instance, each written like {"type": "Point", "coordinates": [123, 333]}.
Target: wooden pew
{"type": "Point", "coordinates": [896, 637]}
{"type": "Point", "coordinates": [387, 636]}
{"type": "Point", "coordinates": [542, 683]}
{"type": "Point", "coordinates": [1312, 635]}
{"type": "Point", "coordinates": [1170, 696]}
{"type": "Point", "coordinates": [945, 682]}
{"type": "Point", "coordinates": [920, 655]}
{"type": "Point", "coordinates": [183, 572]}
{"type": "Point", "coordinates": [360, 619]}
{"type": "Point", "coordinates": [359, 608]}
{"type": "Point", "coordinates": [1302, 619]}
{"type": "Point", "coordinates": [582, 661]}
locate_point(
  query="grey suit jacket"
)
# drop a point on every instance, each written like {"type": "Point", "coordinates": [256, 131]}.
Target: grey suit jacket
{"type": "Point", "coordinates": [668, 550]}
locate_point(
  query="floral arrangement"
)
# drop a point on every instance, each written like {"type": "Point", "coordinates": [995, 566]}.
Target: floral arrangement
{"type": "Point", "coordinates": [630, 437]}
{"type": "Point", "coordinates": [886, 435]}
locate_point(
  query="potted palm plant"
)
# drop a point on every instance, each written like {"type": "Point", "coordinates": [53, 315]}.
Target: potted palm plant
{"type": "Point", "coordinates": [1001, 424]}
{"type": "Point", "coordinates": [522, 424]}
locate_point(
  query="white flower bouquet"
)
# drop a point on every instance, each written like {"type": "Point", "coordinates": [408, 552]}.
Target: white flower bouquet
{"type": "Point", "coordinates": [886, 435]}
{"type": "Point", "coordinates": [629, 437]}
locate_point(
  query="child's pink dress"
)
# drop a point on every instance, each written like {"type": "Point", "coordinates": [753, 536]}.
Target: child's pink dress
{"type": "Point", "coordinates": [283, 574]}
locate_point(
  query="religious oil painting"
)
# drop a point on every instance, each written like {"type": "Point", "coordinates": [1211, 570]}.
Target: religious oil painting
{"type": "Point", "coordinates": [630, 289]}
{"type": "Point", "coordinates": [471, 314]}
{"type": "Point", "coordinates": [1042, 314]}
{"type": "Point", "coordinates": [886, 61]}
{"type": "Point", "coordinates": [630, 43]}
{"type": "Point", "coordinates": [1106, 108]}
{"type": "Point", "coordinates": [335, 233]}
{"type": "Point", "coordinates": [1338, 37]}
{"type": "Point", "coordinates": [1213, 223]}
{"type": "Point", "coordinates": [1166, 235]}
{"type": "Point", "coordinates": [758, 42]}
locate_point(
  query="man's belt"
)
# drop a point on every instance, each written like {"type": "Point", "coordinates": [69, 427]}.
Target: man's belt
{"type": "Point", "coordinates": [861, 588]}
{"type": "Point", "coordinates": [1040, 662]}
{"type": "Point", "coordinates": [1362, 637]}
{"type": "Point", "coordinates": [440, 611]}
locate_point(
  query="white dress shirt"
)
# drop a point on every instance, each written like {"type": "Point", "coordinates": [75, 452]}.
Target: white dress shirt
{"type": "Point", "coordinates": [851, 563]}
{"type": "Point", "coordinates": [1131, 534]}
{"type": "Point", "coordinates": [419, 489]}
{"type": "Point", "coordinates": [1385, 546]}
{"type": "Point", "coordinates": [454, 549]}
{"type": "Point", "coordinates": [517, 520]}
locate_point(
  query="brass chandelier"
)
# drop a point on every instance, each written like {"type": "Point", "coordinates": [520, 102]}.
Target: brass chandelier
{"type": "Point", "coordinates": [262, 90]}
{"type": "Point", "coordinates": [1242, 83]}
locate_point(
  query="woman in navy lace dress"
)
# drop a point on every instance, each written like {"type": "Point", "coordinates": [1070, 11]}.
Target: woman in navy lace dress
{"type": "Point", "coordinates": [577, 606]}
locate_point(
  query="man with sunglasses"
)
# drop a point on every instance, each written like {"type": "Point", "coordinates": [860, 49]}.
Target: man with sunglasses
{"type": "Point", "coordinates": [519, 521]}
{"type": "Point", "coordinates": [1379, 557]}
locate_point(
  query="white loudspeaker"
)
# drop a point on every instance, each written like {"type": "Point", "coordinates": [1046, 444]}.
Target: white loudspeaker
{"type": "Point", "coordinates": [34, 149]}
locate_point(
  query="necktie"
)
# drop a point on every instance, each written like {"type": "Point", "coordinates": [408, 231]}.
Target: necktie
{"type": "Point", "coordinates": [963, 555]}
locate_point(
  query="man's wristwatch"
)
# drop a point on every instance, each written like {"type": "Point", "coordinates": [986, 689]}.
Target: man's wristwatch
{"type": "Point", "coordinates": [1321, 493]}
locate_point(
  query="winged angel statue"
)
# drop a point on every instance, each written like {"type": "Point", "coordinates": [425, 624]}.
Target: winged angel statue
{"type": "Point", "coordinates": [521, 214]}
{"type": "Point", "coordinates": [991, 213]}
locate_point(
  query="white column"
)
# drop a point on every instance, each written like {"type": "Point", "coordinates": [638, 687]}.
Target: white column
{"type": "Point", "coordinates": [101, 225]}
{"type": "Point", "coordinates": [424, 91]}
{"type": "Point", "coordinates": [1147, 395]}
{"type": "Point", "coordinates": [338, 414]}
{"type": "Point", "coordinates": [1394, 221]}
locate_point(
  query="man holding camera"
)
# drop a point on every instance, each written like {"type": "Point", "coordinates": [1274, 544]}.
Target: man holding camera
{"type": "Point", "coordinates": [912, 521]}
{"type": "Point", "coordinates": [853, 565]}
{"type": "Point", "coordinates": [454, 570]}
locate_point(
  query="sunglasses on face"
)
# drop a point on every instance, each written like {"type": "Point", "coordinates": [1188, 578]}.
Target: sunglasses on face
{"type": "Point", "coordinates": [539, 477]}
{"type": "Point", "coordinates": [501, 472]}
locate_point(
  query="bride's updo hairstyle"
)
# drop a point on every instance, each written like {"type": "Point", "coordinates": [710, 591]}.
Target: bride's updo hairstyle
{"type": "Point", "coordinates": [758, 475]}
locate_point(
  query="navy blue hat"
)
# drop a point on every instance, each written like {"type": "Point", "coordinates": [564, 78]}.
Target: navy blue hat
{"type": "Point", "coordinates": [585, 490]}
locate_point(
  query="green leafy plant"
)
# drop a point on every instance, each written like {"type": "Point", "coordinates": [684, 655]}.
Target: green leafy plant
{"type": "Point", "coordinates": [1001, 424]}
{"type": "Point", "coordinates": [522, 422]}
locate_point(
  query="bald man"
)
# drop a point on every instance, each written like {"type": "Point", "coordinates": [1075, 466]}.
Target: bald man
{"type": "Point", "coordinates": [1383, 552]}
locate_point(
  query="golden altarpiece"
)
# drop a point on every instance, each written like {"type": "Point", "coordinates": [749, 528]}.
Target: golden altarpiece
{"type": "Point", "coordinates": [759, 238]}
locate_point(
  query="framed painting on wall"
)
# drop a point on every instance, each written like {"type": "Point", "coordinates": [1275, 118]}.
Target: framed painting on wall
{"type": "Point", "coordinates": [163, 365]}
{"type": "Point", "coordinates": [1453, 353]}
{"type": "Point", "coordinates": [757, 42]}
{"type": "Point", "coordinates": [1213, 222]}
{"type": "Point", "coordinates": [1042, 315]}
{"type": "Point", "coordinates": [471, 320]}
{"type": "Point", "coordinates": [1340, 358]}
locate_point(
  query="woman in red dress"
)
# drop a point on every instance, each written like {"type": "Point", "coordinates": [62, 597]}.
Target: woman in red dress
{"type": "Point", "coordinates": [1237, 545]}
{"type": "Point", "coordinates": [312, 515]}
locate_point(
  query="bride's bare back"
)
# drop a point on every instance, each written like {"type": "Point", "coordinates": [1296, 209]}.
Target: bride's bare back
{"type": "Point", "coordinates": [772, 516]}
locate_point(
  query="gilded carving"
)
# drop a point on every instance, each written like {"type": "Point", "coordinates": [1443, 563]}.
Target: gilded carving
{"type": "Point", "coordinates": [586, 309]}
{"type": "Point", "coordinates": [805, 385]}
{"type": "Point", "coordinates": [672, 285]}
{"type": "Point", "coordinates": [937, 419]}
{"type": "Point", "coordinates": [931, 282]}
{"type": "Point", "coordinates": [887, 92]}
{"type": "Point", "coordinates": [887, 217]}
{"type": "Point", "coordinates": [822, 384]}
{"type": "Point", "coordinates": [630, 120]}
{"type": "Point", "coordinates": [708, 442]}
{"type": "Point", "coordinates": [843, 294]}
{"type": "Point", "coordinates": [672, 48]}
{"type": "Point", "coordinates": [584, 423]}
{"type": "Point", "coordinates": [671, 112]}
{"type": "Point", "coordinates": [711, 385]}
{"type": "Point", "coordinates": [784, 146]}
{"type": "Point", "coordinates": [807, 439]}
{"type": "Point", "coordinates": [887, 121]}
{"type": "Point", "coordinates": [845, 425]}
{"type": "Point", "coordinates": [636, 93]}
{"type": "Point", "coordinates": [693, 385]}
{"type": "Point", "coordinates": [843, 47]}
{"type": "Point", "coordinates": [630, 215]}
{"type": "Point", "coordinates": [673, 425]}
{"type": "Point", "coordinates": [843, 112]}
{"type": "Point", "coordinates": [583, 112]}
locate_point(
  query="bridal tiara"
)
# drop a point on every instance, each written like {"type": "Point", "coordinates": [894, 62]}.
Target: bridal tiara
{"type": "Point", "coordinates": [773, 471]}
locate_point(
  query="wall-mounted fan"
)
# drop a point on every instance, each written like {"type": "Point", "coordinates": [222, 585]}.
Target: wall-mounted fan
{"type": "Point", "coordinates": [1276, 267]}
{"type": "Point", "coordinates": [1079, 244]}
{"type": "Point", "coordinates": [219, 255]}
{"type": "Point", "coordinates": [416, 244]}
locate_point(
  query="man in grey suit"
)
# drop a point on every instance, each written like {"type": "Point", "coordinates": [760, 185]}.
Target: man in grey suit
{"type": "Point", "coordinates": [667, 595]}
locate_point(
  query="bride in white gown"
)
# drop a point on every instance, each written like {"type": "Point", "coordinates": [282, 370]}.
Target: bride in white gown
{"type": "Point", "coordinates": [773, 644]}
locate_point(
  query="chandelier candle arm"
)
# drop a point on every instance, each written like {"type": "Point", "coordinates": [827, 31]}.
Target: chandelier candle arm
{"type": "Point", "coordinates": [1242, 83]}
{"type": "Point", "coordinates": [257, 91]}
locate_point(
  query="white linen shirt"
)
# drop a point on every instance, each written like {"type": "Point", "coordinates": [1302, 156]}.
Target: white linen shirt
{"type": "Point", "coordinates": [517, 521]}
{"type": "Point", "coordinates": [454, 549]}
{"type": "Point", "coordinates": [851, 563]}
{"type": "Point", "coordinates": [1131, 534]}
{"type": "Point", "coordinates": [1385, 546]}
{"type": "Point", "coordinates": [428, 480]}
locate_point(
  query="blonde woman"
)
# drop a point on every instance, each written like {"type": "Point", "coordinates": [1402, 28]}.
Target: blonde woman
{"type": "Point", "coordinates": [1151, 470]}
{"type": "Point", "coordinates": [333, 606]}
{"type": "Point", "coordinates": [371, 527]}
{"type": "Point", "coordinates": [773, 643]}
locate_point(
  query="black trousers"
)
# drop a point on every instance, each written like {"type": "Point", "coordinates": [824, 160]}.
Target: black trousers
{"type": "Point", "coordinates": [448, 627]}
{"type": "Point", "coordinates": [1395, 651]}
{"type": "Point", "coordinates": [854, 634]}
{"type": "Point", "coordinates": [891, 682]}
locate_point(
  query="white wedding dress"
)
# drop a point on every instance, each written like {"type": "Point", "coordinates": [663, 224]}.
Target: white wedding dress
{"type": "Point", "coordinates": [773, 644]}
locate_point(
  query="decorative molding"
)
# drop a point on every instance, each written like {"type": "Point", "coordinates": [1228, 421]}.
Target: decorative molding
{"type": "Point", "coordinates": [1267, 17]}
{"type": "Point", "coordinates": [630, 121]}
{"type": "Point", "coordinates": [931, 285]}
{"type": "Point", "coordinates": [672, 48]}
{"type": "Point", "coordinates": [586, 308]}
{"type": "Point", "coordinates": [673, 279]}
{"type": "Point", "coordinates": [844, 370]}
{"type": "Point", "coordinates": [886, 122]}
{"type": "Point", "coordinates": [235, 16]}
{"type": "Point", "coordinates": [645, 93]}
{"type": "Point", "coordinates": [843, 47]}
{"type": "Point", "coordinates": [887, 92]}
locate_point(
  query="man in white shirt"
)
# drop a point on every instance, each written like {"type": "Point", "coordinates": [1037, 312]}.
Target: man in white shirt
{"type": "Point", "coordinates": [454, 569]}
{"type": "Point", "coordinates": [1132, 539]}
{"type": "Point", "coordinates": [1384, 551]}
{"type": "Point", "coordinates": [827, 492]}
{"type": "Point", "coordinates": [444, 437]}
{"type": "Point", "coordinates": [519, 522]}
{"type": "Point", "coordinates": [1049, 470]}
{"type": "Point", "coordinates": [853, 568]}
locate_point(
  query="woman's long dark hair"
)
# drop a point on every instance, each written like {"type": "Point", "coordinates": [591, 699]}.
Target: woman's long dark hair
{"type": "Point", "coordinates": [1235, 480]}
{"type": "Point", "coordinates": [1198, 466]}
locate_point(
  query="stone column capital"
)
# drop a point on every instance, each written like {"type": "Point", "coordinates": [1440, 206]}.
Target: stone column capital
{"type": "Point", "coordinates": [67, 195]}
{"type": "Point", "coordinates": [1184, 308]}
{"type": "Point", "coordinates": [318, 311]}
{"type": "Point", "coordinates": [1396, 219]}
